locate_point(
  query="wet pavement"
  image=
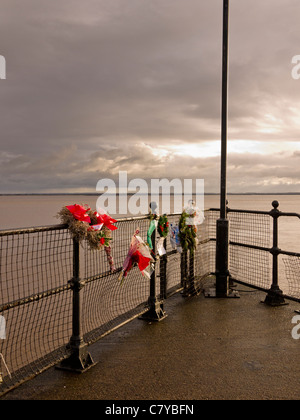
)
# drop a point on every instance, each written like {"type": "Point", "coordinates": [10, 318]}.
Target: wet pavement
{"type": "Point", "coordinates": [206, 349]}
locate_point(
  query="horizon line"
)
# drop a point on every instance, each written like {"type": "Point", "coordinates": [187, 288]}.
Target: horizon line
{"type": "Point", "coordinates": [97, 194]}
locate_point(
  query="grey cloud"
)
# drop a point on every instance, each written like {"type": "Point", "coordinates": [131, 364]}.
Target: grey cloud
{"type": "Point", "coordinates": [89, 84]}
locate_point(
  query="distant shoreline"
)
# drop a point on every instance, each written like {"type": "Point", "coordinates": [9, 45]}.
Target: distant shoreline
{"type": "Point", "coordinates": [130, 194]}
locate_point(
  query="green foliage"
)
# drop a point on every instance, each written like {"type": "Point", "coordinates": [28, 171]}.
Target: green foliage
{"type": "Point", "coordinates": [163, 226]}
{"type": "Point", "coordinates": [187, 234]}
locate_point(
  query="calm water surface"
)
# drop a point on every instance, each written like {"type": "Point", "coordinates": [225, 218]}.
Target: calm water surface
{"type": "Point", "coordinates": [27, 211]}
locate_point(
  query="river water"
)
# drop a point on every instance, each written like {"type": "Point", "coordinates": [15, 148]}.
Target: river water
{"type": "Point", "coordinates": [17, 211]}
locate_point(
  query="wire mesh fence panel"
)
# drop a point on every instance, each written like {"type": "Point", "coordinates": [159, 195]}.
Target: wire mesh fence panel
{"type": "Point", "coordinates": [108, 303]}
{"type": "Point", "coordinates": [36, 336]}
{"type": "Point", "coordinates": [292, 273]}
{"type": "Point", "coordinates": [250, 266]}
{"type": "Point", "coordinates": [250, 229]}
{"type": "Point", "coordinates": [205, 251]}
{"type": "Point", "coordinates": [172, 274]}
{"type": "Point", "coordinates": [34, 262]}
{"type": "Point", "coordinates": [247, 233]}
{"type": "Point", "coordinates": [195, 265]}
{"type": "Point", "coordinates": [107, 300]}
{"type": "Point", "coordinates": [170, 267]}
{"type": "Point", "coordinates": [205, 259]}
{"type": "Point", "coordinates": [35, 301]}
{"type": "Point", "coordinates": [211, 217]}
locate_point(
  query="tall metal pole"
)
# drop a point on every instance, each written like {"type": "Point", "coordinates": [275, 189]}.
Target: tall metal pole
{"type": "Point", "coordinates": [224, 110]}
{"type": "Point", "coordinates": [222, 243]}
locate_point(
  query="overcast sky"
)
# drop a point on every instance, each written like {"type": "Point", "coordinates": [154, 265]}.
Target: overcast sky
{"type": "Point", "coordinates": [96, 87]}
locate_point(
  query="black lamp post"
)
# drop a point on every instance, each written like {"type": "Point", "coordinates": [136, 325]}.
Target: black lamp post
{"type": "Point", "coordinates": [222, 242]}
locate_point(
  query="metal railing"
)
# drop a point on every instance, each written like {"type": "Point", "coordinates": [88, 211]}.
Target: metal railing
{"type": "Point", "coordinates": [57, 296]}
{"type": "Point", "coordinates": [255, 257]}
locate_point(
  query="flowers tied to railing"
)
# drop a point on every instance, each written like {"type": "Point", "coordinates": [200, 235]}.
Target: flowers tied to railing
{"type": "Point", "coordinates": [86, 224]}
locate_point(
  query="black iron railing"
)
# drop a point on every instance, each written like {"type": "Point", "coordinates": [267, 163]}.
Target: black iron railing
{"type": "Point", "coordinates": [254, 238]}
{"type": "Point", "coordinates": [57, 297]}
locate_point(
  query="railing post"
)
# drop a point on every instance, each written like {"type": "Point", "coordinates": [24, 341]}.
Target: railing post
{"type": "Point", "coordinates": [275, 295]}
{"type": "Point", "coordinates": [192, 273]}
{"type": "Point", "coordinates": [163, 273]}
{"type": "Point", "coordinates": [189, 274]}
{"type": "Point", "coordinates": [156, 311]}
{"type": "Point", "coordinates": [224, 283]}
{"type": "Point", "coordinates": [222, 249]}
{"type": "Point", "coordinates": [185, 273]}
{"type": "Point", "coordinates": [183, 268]}
{"type": "Point", "coordinates": [80, 359]}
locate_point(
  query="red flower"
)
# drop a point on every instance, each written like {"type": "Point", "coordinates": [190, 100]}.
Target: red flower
{"type": "Point", "coordinates": [138, 258]}
{"type": "Point", "coordinates": [79, 213]}
{"type": "Point", "coordinates": [141, 260]}
{"type": "Point", "coordinates": [102, 241]}
{"type": "Point", "coordinates": [106, 220]}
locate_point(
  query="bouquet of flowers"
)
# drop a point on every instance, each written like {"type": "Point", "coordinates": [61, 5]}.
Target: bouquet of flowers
{"type": "Point", "coordinates": [187, 234]}
{"type": "Point", "coordinates": [163, 226]}
{"type": "Point", "coordinates": [190, 218]}
{"type": "Point", "coordinates": [94, 227]}
{"type": "Point", "coordinates": [163, 230]}
{"type": "Point", "coordinates": [139, 254]}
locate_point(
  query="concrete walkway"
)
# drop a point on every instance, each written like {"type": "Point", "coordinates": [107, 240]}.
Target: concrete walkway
{"type": "Point", "coordinates": [206, 349]}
